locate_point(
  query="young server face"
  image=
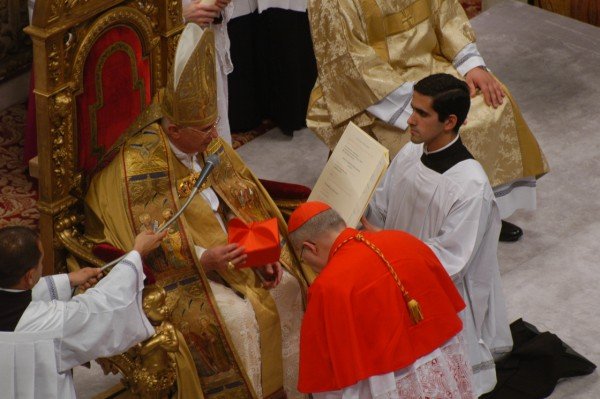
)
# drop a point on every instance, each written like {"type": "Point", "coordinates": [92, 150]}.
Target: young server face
{"type": "Point", "coordinates": [425, 126]}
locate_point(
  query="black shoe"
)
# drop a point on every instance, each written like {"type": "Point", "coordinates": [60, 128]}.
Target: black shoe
{"type": "Point", "coordinates": [510, 232]}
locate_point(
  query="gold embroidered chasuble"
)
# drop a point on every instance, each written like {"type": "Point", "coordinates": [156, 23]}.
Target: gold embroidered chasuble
{"type": "Point", "coordinates": [137, 191]}
{"type": "Point", "coordinates": [365, 49]}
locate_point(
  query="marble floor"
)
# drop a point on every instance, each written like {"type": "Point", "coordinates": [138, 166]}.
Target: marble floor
{"type": "Point", "coordinates": [550, 277]}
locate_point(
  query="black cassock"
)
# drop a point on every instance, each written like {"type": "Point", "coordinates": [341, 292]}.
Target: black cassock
{"type": "Point", "coordinates": [274, 69]}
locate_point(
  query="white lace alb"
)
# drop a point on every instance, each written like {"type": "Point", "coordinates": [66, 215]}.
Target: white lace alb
{"type": "Point", "coordinates": [443, 374]}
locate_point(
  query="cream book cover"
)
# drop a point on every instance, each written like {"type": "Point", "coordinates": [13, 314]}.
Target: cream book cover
{"type": "Point", "coordinates": [351, 174]}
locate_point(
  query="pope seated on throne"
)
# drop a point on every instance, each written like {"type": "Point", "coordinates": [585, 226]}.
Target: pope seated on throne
{"type": "Point", "coordinates": [241, 325]}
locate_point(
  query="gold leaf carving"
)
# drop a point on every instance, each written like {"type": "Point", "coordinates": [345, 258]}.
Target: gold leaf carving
{"type": "Point", "coordinates": [54, 63]}
{"type": "Point", "coordinates": [68, 4]}
{"type": "Point", "coordinates": [175, 13]}
{"type": "Point", "coordinates": [173, 40]}
{"type": "Point", "coordinates": [62, 143]}
{"type": "Point", "coordinates": [149, 9]}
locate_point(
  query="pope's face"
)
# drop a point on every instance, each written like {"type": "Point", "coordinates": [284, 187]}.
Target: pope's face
{"type": "Point", "coordinates": [194, 139]}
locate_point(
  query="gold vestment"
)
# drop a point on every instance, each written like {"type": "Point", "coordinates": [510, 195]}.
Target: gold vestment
{"type": "Point", "coordinates": [137, 190]}
{"type": "Point", "coordinates": [366, 49]}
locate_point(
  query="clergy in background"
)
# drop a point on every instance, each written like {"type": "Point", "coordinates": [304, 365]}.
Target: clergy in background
{"type": "Point", "coordinates": [46, 332]}
{"type": "Point", "coordinates": [274, 64]}
{"type": "Point", "coordinates": [371, 52]}
{"type": "Point", "coordinates": [435, 190]}
{"type": "Point", "coordinates": [382, 315]}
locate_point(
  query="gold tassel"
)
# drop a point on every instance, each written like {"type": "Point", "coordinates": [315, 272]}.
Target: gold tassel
{"type": "Point", "coordinates": [414, 311]}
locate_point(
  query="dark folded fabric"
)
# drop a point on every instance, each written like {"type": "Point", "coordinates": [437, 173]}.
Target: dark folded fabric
{"type": "Point", "coordinates": [536, 363]}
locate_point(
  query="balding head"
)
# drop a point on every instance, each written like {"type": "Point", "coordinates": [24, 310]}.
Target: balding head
{"type": "Point", "coordinates": [313, 240]}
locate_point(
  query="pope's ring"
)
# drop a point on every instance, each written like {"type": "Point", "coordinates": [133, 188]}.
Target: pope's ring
{"type": "Point", "coordinates": [230, 265]}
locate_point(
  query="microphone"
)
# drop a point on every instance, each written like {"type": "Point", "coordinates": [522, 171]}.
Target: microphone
{"type": "Point", "coordinates": [211, 162]}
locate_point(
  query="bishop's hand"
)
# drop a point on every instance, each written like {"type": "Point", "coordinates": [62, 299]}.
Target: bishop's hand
{"type": "Point", "coordinates": [223, 257]}
{"type": "Point", "coordinates": [480, 78]}
{"type": "Point", "coordinates": [201, 13]}
{"type": "Point", "coordinates": [222, 3]}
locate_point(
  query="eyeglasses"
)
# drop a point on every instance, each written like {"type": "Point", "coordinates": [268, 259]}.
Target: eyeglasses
{"type": "Point", "coordinates": [205, 131]}
{"type": "Point", "coordinates": [302, 252]}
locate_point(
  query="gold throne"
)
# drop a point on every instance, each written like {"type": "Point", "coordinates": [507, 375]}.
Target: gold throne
{"type": "Point", "coordinates": [97, 65]}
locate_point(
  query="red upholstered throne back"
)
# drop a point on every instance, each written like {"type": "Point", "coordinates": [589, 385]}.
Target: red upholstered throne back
{"type": "Point", "coordinates": [116, 88]}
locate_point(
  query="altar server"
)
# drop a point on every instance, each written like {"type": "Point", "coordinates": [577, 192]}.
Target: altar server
{"type": "Point", "coordinates": [435, 190]}
{"type": "Point", "coordinates": [45, 332]}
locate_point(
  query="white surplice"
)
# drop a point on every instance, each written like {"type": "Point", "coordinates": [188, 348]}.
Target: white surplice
{"type": "Point", "coordinates": [57, 332]}
{"type": "Point", "coordinates": [456, 215]}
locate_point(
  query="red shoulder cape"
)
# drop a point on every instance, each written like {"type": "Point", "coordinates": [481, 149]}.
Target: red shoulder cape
{"type": "Point", "coordinates": [356, 323]}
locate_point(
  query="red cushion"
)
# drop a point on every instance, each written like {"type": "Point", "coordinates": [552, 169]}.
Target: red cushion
{"type": "Point", "coordinates": [289, 191]}
{"type": "Point", "coordinates": [107, 253]}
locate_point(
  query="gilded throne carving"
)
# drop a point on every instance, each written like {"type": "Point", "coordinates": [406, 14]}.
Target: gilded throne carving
{"type": "Point", "coordinates": [97, 65]}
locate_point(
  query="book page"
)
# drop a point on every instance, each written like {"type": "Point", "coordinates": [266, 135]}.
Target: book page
{"type": "Point", "coordinates": [351, 174]}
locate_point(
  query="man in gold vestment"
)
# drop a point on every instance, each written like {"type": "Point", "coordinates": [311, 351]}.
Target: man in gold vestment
{"type": "Point", "coordinates": [370, 52]}
{"type": "Point", "coordinates": [242, 325]}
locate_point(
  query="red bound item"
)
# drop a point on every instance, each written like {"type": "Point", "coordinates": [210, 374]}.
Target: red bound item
{"type": "Point", "coordinates": [260, 240]}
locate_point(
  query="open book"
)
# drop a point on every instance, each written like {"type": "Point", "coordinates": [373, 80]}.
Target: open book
{"type": "Point", "coordinates": [351, 174]}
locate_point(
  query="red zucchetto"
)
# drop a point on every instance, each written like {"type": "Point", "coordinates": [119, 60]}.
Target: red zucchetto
{"type": "Point", "coordinates": [304, 213]}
